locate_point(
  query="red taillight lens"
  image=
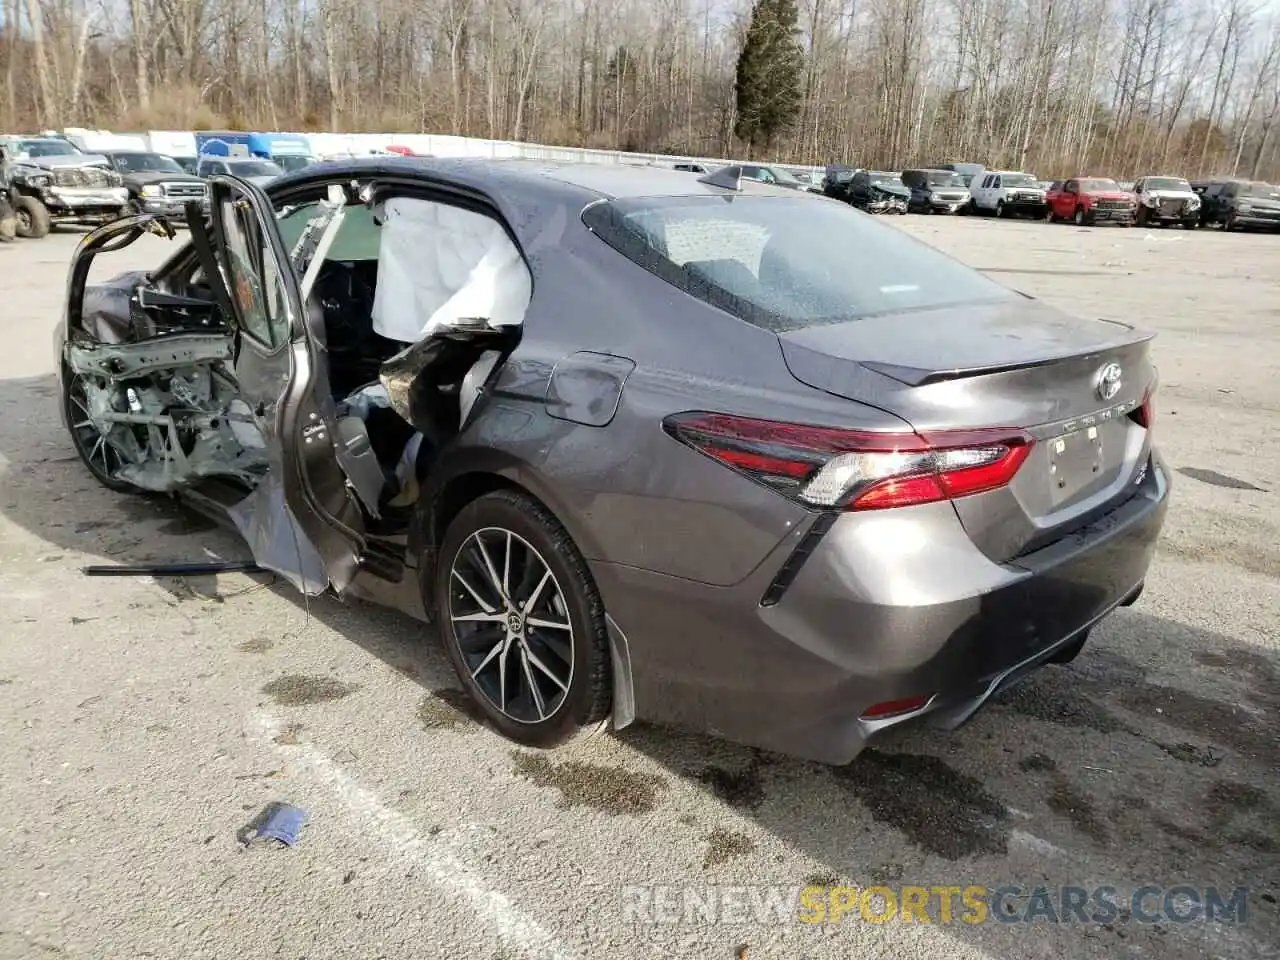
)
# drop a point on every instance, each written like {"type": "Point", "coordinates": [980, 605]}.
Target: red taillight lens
{"type": "Point", "coordinates": [856, 470]}
{"type": "Point", "coordinates": [1145, 415]}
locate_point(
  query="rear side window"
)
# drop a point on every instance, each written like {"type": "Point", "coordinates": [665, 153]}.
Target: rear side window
{"type": "Point", "coordinates": [786, 264]}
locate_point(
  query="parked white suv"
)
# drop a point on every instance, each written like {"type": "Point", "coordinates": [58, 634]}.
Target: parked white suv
{"type": "Point", "coordinates": [1008, 193]}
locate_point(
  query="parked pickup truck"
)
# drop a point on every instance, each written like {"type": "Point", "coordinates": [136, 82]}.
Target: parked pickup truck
{"type": "Point", "coordinates": [1089, 200]}
{"type": "Point", "coordinates": [50, 181]}
{"type": "Point", "coordinates": [1167, 200]}
{"type": "Point", "coordinates": [1008, 193]}
{"type": "Point", "coordinates": [1240, 204]}
{"type": "Point", "coordinates": [156, 183]}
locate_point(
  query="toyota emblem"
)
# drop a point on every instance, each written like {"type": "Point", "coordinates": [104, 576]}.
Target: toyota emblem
{"type": "Point", "coordinates": [1109, 381]}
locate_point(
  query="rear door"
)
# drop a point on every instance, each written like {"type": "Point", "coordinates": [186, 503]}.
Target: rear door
{"type": "Point", "coordinates": [284, 380]}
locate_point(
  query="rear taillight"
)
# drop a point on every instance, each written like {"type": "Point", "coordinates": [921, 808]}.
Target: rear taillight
{"type": "Point", "coordinates": [852, 469]}
{"type": "Point", "coordinates": [1145, 414]}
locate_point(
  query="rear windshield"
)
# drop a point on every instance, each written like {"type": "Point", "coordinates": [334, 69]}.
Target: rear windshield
{"type": "Point", "coordinates": [785, 264]}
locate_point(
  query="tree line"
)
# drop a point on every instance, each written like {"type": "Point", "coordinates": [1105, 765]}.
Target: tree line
{"type": "Point", "coordinates": [1059, 87]}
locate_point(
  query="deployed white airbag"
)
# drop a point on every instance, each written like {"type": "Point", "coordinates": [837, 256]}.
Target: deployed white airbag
{"type": "Point", "coordinates": [439, 263]}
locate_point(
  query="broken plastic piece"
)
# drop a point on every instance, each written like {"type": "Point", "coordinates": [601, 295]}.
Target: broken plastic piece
{"type": "Point", "coordinates": [197, 569]}
{"type": "Point", "coordinates": [276, 821]}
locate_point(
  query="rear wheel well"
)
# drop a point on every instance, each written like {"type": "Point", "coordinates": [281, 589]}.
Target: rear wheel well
{"type": "Point", "coordinates": [449, 501]}
{"type": "Point", "coordinates": [456, 494]}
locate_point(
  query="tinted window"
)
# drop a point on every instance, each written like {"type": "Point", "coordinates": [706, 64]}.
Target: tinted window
{"type": "Point", "coordinates": [783, 264]}
{"type": "Point", "coordinates": [945, 178]}
{"type": "Point", "coordinates": [145, 163]}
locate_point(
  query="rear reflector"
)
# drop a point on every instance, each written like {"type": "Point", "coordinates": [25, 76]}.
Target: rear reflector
{"type": "Point", "coordinates": [893, 708]}
{"type": "Point", "coordinates": [852, 469]}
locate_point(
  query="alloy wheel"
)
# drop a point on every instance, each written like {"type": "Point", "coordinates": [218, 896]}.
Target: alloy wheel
{"type": "Point", "coordinates": [103, 453]}
{"type": "Point", "coordinates": [23, 217]}
{"type": "Point", "coordinates": [511, 624]}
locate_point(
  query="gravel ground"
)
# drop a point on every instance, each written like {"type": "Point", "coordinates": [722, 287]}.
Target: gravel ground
{"type": "Point", "coordinates": [148, 721]}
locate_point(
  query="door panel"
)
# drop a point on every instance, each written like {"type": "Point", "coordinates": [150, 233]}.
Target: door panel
{"type": "Point", "coordinates": [284, 381]}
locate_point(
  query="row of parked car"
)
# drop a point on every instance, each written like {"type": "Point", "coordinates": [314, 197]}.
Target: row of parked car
{"type": "Point", "coordinates": [46, 181]}
{"type": "Point", "coordinates": [1149, 201]}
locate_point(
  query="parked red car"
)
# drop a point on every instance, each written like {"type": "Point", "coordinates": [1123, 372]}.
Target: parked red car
{"type": "Point", "coordinates": [1090, 200]}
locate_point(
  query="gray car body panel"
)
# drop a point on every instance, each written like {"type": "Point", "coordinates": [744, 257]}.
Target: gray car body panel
{"type": "Point", "coordinates": [884, 604]}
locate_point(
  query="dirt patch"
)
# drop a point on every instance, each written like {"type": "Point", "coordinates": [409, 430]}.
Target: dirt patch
{"type": "Point", "coordinates": [609, 789]}
{"type": "Point", "coordinates": [1058, 696]}
{"type": "Point", "coordinates": [725, 845]}
{"type": "Point", "coordinates": [1225, 723]}
{"type": "Point", "coordinates": [294, 690]}
{"type": "Point", "coordinates": [288, 737]}
{"type": "Point", "coordinates": [1190, 753]}
{"type": "Point", "coordinates": [256, 645]}
{"type": "Point", "coordinates": [945, 812]}
{"type": "Point", "coordinates": [1261, 672]}
{"type": "Point", "coordinates": [1067, 801]}
{"type": "Point", "coordinates": [1216, 479]}
{"type": "Point", "coordinates": [1243, 556]}
{"type": "Point", "coordinates": [1038, 763]}
{"type": "Point", "coordinates": [741, 789]}
{"type": "Point", "coordinates": [1236, 796]}
{"type": "Point", "coordinates": [448, 708]}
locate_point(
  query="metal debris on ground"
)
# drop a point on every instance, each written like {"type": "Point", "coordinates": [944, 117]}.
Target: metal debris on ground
{"type": "Point", "coordinates": [280, 822]}
{"type": "Point", "coordinates": [196, 569]}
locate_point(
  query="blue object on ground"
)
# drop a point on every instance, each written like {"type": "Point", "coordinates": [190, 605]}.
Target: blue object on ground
{"type": "Point", "coordinates": [277, 821]}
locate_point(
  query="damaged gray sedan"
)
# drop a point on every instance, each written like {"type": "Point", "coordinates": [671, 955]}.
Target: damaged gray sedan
{"type": "Point", "coordinates": [638, 444]}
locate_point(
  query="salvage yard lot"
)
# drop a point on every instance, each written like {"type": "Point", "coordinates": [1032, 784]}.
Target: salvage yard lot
{"type": "Point", "coordinates": [147, 721]}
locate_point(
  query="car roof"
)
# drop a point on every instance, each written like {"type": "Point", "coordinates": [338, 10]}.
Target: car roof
{"type": "Point", "coordinates": [596, 180]}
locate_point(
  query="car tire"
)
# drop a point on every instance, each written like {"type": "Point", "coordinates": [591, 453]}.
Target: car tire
{"type": "Point", "coordinates": [96, 457]}
{"type": "Point", "coordinates": [1141, 217]}
{"type": "Point", "coordinates": [33, 218]}
{"type": "Point", "coordinates": [507, 531]}
{"type": "Point", "coordinates": [1080, 218]}
{"type": "Point", "coordinates": [1000, 208]}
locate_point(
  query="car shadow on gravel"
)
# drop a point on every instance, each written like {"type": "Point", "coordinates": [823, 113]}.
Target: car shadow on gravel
{"type": "Point", "coordinates": [1152, 758]}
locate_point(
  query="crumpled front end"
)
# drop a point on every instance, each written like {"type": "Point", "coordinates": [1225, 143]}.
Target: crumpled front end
{"type": "Point", "coordinates": [161, 414]}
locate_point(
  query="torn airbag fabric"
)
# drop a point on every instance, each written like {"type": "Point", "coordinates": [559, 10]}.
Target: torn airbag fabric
{"type": "Point", "coordinates": [438, 263]}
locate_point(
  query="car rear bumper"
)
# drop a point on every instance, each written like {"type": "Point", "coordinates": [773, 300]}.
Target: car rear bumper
{"type": "Point", "coordinates": [882, 608]}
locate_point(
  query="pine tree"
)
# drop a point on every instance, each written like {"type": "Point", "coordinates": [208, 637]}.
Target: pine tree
{"type": "Point", "coordinates": [769, 68]}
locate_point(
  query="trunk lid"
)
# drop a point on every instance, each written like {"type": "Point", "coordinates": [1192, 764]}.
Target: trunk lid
{"type": "Point", "coordinates": [1017, 363]}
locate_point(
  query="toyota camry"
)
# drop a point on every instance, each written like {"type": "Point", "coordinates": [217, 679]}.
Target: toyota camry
{"type": "Point", "coordinates": [633, 444]}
